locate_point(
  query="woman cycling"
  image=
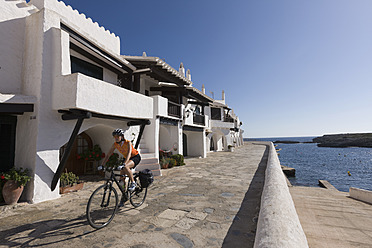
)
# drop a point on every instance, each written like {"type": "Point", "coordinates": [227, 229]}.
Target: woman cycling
{"type": "Point", "coordinates": [131, 155]}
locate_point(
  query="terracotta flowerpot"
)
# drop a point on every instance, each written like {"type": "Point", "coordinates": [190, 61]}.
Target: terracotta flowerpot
{"type": "Point", "coordinates": [12, 192]}
{"type": "Point", "coordinates": [164, 166]}
{"type": "Point", "coordinates": [68, 189]}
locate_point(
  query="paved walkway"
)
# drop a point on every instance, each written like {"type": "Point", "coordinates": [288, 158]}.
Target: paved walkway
{"type": "Point", "coordinates": [211, 202]}
{"type": "Point", "coordinates": [331, 218]}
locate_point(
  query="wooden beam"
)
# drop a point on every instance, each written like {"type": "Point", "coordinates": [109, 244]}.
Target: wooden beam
{"type": "Point", "coordinates": [18, 108]}
{"type": "Point", "coordinates": [167, 88]}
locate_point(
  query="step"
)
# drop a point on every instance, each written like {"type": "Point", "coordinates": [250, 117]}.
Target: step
{"type": "Point", "coordinates": [147, 166]}
{"type": "Point", "coordinates": [147, 155]}
{"type": "Point", "coordinates": [149, 161]}
{"type": "Point", "coordinates": [155, 168]}
{"type": "Point", "coordinates": [143, 150]}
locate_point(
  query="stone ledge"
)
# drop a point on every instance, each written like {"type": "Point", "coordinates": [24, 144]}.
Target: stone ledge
{"type": "Point", "coordinates": [361, 194]}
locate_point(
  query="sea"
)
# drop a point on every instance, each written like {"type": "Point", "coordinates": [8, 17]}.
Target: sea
{"type": "Point", "coordinates": [342, 167]}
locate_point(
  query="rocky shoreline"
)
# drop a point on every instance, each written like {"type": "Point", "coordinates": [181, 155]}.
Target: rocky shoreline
{"type": "Point", "coordinates": [345, 140]}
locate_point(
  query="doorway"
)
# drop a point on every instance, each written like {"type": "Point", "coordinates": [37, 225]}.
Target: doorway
{"type": "Point", "coordinates": [77, 166]}
{"type": "Point", "coordinates": [8, 125]}
{"type": "Point", "coordinates": [184, 142]}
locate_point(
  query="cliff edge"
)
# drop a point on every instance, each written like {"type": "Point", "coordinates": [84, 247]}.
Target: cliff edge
{"type": "Point", "coordinates": [345, 140]}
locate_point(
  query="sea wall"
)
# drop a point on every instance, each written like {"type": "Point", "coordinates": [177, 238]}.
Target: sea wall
{"type": "Point", "coordinates": [278, 222]}
{"type": "Point", "coordinates": [361, 194]}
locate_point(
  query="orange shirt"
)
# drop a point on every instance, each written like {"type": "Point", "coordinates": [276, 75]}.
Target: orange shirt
{"type": "Point", "coordinates": [123, 149]}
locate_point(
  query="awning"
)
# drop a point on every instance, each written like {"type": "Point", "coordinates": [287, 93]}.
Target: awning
{"type": "Point", "coordinates": [159, 70]}
{"type": "Point", "coordinates": [16, 104]}
{"type": "Point", "coordinates": [192, 128]}
{"type": "Point", "coordinates": [169, 121]}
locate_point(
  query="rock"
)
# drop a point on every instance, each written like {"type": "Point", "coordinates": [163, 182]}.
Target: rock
{"type": "Point", "coordinates": [287, 141]}
{"type": "Point", "coordinates": [345, 140]}
{"type": "Point", "coordinates": [288, 171]}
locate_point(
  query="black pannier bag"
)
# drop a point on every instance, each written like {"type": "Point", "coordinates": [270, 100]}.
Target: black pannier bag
{"type": "Point", "coordinates": [146, 178]}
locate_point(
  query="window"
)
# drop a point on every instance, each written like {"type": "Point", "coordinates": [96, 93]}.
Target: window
{"type": "Point", "coordinates": [216, 113]}
{"type": "Point", "coordinates": [197, 110]}
{"type": "Point", "coordinates": [86, 68]}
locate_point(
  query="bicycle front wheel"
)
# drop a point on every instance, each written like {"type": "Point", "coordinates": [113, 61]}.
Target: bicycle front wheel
{"type": "Point", "coordinates": [138, 196]}
{"type": "Point", "coordinates": [102, 206]}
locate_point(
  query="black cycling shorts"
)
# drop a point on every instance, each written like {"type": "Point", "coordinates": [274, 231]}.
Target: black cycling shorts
{"type": "Point", "coordinates": [136, 159]}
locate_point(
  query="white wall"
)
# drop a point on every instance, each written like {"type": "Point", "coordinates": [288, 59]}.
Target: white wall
{"type": "Point", "coordinates": [160, 106]}
{"type": "Point", "coordinates": [196, 145]}
{"type": "Point", "coordinates": [12, 33]}
{"type": "Point", "coordinates": [169, 137]}
{"type": "Point", "coordinates": [86, 26]}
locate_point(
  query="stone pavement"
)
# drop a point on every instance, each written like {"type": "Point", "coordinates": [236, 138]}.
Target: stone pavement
{"type": "Point", "coordinates": [331, 218]}
{"type": "Point", "coordinates": [211, 202]}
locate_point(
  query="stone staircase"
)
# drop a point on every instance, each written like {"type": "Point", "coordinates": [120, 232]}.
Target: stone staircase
{"type": "Point", "coordinates": [149, 160]}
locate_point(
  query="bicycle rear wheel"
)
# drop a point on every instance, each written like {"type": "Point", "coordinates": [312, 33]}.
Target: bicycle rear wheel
{"type": "Point", "coordinates": [102, 206]}
{"type": "Point", "coordinates": [138, 196]}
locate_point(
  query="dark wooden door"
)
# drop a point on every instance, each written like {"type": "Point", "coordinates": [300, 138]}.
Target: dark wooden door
{"type": "Point", "coordinates": [8, 125]}
{"type": "Point", "coordinates": [83, 142]}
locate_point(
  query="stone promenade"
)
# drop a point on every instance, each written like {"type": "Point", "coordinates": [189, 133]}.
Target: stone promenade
{"type": "Point", "coordinates": [331, 219]}
{"type": "Point", "coordinates": [211, 202]}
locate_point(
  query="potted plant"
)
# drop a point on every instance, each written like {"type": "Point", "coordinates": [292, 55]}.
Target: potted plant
{"type": "Point", "coordinates": [16, 179]}
{"type": "Point", "coordinates": [69, 182]}
{"type": "Point", "coordinates": [164, 163]}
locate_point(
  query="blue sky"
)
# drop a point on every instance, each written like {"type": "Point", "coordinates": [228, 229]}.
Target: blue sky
{"type": "Point", "coordinates": [288, 68]}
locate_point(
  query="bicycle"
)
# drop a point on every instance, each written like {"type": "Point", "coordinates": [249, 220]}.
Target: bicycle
{"type": "Point", "coordinates": [104, 202]}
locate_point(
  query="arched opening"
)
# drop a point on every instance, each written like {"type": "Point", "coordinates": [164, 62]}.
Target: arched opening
{"type": "Point", "coordinates": [77, 166]}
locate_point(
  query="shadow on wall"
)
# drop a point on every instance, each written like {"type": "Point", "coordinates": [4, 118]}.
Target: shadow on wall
{"type": "Point", "coordinates": [242, 231]}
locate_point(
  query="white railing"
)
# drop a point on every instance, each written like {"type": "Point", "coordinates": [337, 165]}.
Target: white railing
{"type": "Point", "coordinates": [278, 223]}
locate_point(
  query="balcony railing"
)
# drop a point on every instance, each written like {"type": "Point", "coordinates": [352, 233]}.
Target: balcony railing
{"type": "Point", "coordinates": [228, 119]}
{"type": "Point", "coordinates": [174, 109]}
{"type": "Point", "coordinates": [199, 119]}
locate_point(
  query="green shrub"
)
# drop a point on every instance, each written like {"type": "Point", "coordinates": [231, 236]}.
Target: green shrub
{"type": "Point", "coordinates": [179, 159]}
{"type": "Point", "coordinates": [172, 162]}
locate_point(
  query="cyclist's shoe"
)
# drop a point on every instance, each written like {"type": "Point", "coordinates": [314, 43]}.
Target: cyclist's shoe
{"type": "Point", "coordinates": [132, 186]}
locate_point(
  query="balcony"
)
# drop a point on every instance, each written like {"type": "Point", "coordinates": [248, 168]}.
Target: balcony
{"type": "Point", "coordinates": [228, 119]}
{"type": "Point", "coordinates": [199, 119]}
{"type": "Point", "coordinates": [221, 124]}
{"type": "Point", "coordinates": [165, 108]}
{"type": "Point", "coordinates": [77, 91]}
{"type": "Point", "coordinates": [174, 109]}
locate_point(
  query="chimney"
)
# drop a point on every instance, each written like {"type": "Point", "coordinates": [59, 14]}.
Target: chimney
{"type": "Point", "coordinates": [181, 69]}
{"type": "Point", "coordinates": [188, 74]}
{"type": "Point", "coordinates": [203, 89]}
{"type": "Point", "coordinates": [223, 95]}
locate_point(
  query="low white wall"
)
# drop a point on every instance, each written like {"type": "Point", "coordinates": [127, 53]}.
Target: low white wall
{"type": "Point", "coordinates": [361, 194]}
{"type": "Point", "coordinates": [196, 145]}
{"type": "Point", "coordinates": [278, 223]}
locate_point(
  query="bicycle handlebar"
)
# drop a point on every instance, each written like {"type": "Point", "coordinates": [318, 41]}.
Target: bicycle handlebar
{"type": "Point", "coordinates": [103, 168]}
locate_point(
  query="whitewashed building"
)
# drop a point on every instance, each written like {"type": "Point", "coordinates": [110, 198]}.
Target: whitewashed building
{"type": "Point", "coordinates": [64, 86]}
{"type": "Point", "coordinates": [59, 75]}
{"type": "Point", "coordinates": [179, 118]}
